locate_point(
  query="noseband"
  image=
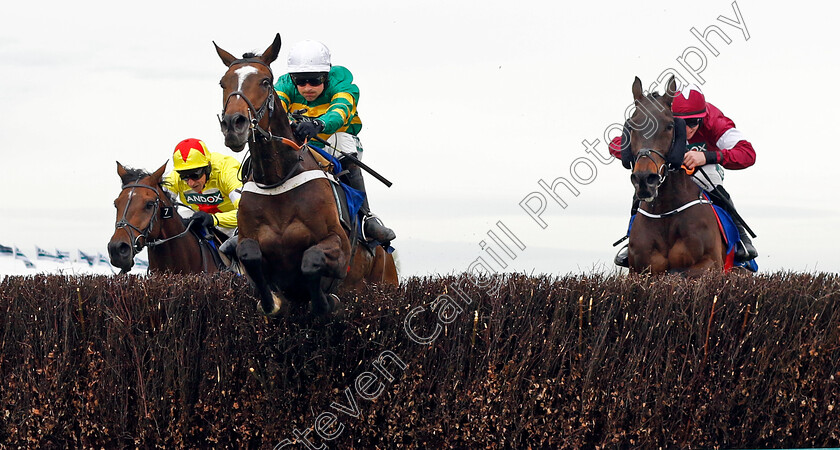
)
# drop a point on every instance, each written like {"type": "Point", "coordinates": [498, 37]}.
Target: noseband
{"type": "Point", "coordinates": [166, 213]}
{"type": "Point", "coordinates": [661, 169]}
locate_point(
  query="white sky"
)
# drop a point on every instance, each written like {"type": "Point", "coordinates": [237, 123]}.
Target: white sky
{"type": "Point", "coordinates": [466, 106]}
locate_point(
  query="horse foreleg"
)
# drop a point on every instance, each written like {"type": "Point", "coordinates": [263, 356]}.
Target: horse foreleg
{"type": "Point", "coordinates": [701, 267]}
{"type": "Point", "coordinates": [322, 260]}
{"type": "Point", "coordinates": [250, 256]}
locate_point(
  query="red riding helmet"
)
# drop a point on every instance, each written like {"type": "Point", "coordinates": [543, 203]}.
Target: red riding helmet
{"type": "Point", "coordinates": [190, 154]}
{"type": "Point", "coordinates": [689, 103]}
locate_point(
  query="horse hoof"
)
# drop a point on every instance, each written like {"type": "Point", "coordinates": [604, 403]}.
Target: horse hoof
{"type": "Point", "coordinates": [277, 305]}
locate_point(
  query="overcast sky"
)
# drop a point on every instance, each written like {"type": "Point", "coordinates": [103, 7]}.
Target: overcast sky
{"type": "Point", "coordinates": [466, 107]}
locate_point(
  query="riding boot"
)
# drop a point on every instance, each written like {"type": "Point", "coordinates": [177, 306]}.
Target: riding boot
{"type": "Point", "coordinates": [228, 248]}
{"type": "Point", "coordinates": [622, 259]}
{"type": "Point", "coordinates": [744, 250]}
{"type": "Point", "coordinates": [372, 226]}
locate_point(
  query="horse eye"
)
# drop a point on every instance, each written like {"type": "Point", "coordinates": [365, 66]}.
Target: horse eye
{"type": "Point", "coordinates": [266, 82]}
{"type": "Point", "coordinates": [670, 127]}
{"type": "Point", "coordinates": [150, 204]}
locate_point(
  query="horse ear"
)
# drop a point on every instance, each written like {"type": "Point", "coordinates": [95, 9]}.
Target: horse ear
{"type": "Point", "coordinates": [270, 54]}
{"type": "Point", "coordinates": [670, 91]}
{"type": "Point", "coordinates": [227, 58]}
{"type": "Point", "coordinates": [122, 172]}
{"type": "Point", "coordinates": [158, 175]}
{"type": "Point", "coordinates": [637, 89]}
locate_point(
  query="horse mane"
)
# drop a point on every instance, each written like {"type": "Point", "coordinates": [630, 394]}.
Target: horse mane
{"type": "Point", "coordinates": [135, 175]}
{"type": "Point", "coordinates": [248, 55]}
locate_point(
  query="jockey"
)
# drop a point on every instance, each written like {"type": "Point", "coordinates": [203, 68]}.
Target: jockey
{"type": "Point", "coordinates": [329, 96]}
{"type": "Point", "coordinates": [208, 183]}
{"type": "Point", "coordinates": [713, 141]}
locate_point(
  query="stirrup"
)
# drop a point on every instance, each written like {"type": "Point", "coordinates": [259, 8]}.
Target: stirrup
{"type": "Point", "coordinates": [621, 258]}
{"type": "Point", "coordinates": [371, 216]}
{"type": "Point", "coordinates": [745, 252]}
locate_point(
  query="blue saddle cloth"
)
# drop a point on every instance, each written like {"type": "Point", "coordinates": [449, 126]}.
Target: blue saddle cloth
{"type": "Point", "coordinates": [732, 237]}
{"type": "Point", "coordinates": [730, 231]}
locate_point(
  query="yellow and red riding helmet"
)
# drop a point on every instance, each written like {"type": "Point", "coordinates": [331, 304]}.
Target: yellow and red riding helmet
{"type": "Point", "coordinates": [190, 154]}
{"type": "Point", "coordinates": [689, 103]}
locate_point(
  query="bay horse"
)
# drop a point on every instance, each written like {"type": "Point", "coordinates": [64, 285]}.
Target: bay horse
{"type": "Point", "coordinates": [675, 229]}
{"type": "Point", "coordinates": [146, 216]}
{"type": "Point", "coordinates": [291, 245]}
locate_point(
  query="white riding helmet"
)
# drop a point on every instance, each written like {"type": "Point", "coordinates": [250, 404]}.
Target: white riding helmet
{"type": "Point", "coordinates": [309, 56]}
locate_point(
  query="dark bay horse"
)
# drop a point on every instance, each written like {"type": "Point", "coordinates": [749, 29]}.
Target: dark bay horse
{"type": "Point", "coordinates": [291, 242]}
{"type": "Point", "coordinates": [675, 229]}
{"type": "Point", "coordinates": [146, 216]}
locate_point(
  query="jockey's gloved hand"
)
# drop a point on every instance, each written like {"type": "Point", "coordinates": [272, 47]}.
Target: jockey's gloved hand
{"type": "Point", "coordinates": [204, 219]}
{"type": "Point", "coordinates": [309, 129]}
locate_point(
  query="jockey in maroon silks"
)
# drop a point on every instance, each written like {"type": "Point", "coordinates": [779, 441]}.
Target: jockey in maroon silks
{"type": "Point", "coordinates": [713, 141]}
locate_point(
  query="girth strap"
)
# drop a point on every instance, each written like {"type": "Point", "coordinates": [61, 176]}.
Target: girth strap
{"type": "Point", "coordinates": [291, 183]}
{"type": "Point", "coordinates": [675, 211]}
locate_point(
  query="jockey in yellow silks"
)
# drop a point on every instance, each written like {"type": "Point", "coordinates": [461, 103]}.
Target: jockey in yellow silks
{"type": "Point", "coordinates": [208, 183]}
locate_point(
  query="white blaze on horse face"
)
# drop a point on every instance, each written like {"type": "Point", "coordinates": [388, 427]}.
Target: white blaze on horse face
{"type": "Point", "coordinates": [243, 73]}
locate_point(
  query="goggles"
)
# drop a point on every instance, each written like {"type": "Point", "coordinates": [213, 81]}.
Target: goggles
{"type": "Point", "coordinates": [691, 123]}
{"type": "Point", "coordinates": [310, 79]}
{"type": "Point", "coordinates": [194, 175]}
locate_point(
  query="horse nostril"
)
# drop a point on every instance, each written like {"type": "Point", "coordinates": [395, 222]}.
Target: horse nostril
{"type": "Point", "coordinates": [119, 249]}
{"type": "Point", "coordinates": [652, 179]}
{"type": "Point", "coordinates": [240, 123]}
{"type": "Point", "coordinates": [234, 123]}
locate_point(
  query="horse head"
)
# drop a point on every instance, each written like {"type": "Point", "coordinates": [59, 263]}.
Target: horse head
{"type": "Point", "coordinates": [249, 97]}
{"type": "Point", "coordinates": [140, 207]}
{"type": "Point", "coordinates": [653, 132]}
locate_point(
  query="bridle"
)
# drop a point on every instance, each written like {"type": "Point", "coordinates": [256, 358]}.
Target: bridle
{"type": "Point", "coordinates": [661, 169]}
{"type": "Point", "coordinates": [255, 116]}
{"type": "Point", "coordinates": [166, 212]}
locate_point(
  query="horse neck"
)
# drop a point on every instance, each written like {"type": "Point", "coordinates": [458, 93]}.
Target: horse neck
{"type": "Point", "coordinates": [675, 191]}
{"type": "Point", "coordinates": [176, 255]}
{"type": "Point", "coordinates": [271, 159]}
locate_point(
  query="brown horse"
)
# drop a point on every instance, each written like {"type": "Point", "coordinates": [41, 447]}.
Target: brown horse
{"type": "Point", "coordinates": [291, 242]}
{"type": "Point", "coordinates": [675, 230]}
{"type": "Point", "coordinates": [146, 216]}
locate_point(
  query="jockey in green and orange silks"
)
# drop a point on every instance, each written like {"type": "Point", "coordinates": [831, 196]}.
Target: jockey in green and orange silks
{"type": "Point", "coordinates": [329, 97]}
